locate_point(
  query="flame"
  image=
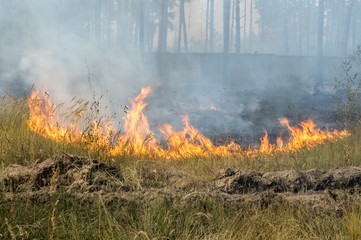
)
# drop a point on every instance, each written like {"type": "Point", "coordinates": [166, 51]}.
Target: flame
{"type": "Point", "coordinates": [42, 119]}
{"type": "Point", "coordinates": [138, 139]}
{"type": "Point", "coordinates": [266, 147]}
{"type": "Point", "coordinates": [306, 134]}
{"type": "Point", "coordinates": [190, 142]}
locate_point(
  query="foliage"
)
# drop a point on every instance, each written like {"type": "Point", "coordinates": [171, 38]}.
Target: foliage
{"type": "Point", "coordinates": [348, 89]}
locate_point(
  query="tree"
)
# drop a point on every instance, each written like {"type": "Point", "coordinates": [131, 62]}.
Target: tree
{"type": "Point", "coordinates": [300, 25]}
{"type": "Point", "coordinates": [161, 25]}
{"type": "Point", "coordinates": [251, 25]}
{"type": "Point", "coordinates": [226, 21]}
{"type": "Point", "coordinates": [98, 23]}
{"type": "Point", "coordinates": [209, 41]}
{"type": "Point", "coordinates": [345, 36]}
{"type": "Point", "coordinates": [308, 25]}
{"type": "Point", "coordinates": [211, 26]}
{"type": "Point", "coordinates": [321, 5]}
{"type": "Point", "coordinates": [238, 28]}
{"type": "Point", "coordinates": [141, 25]}
{"type": "Point", "coordinates": [285, 28]}
{"type": "Point", "coordinates": [182, 26]}
{"type": "Point", "coordinates": [207, 26]}
{"type": "Point", "coordinates": [245, 23]}
{"type": "Point", "coordinates": [272, 24]}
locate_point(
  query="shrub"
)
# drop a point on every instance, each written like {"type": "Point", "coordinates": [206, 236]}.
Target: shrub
{"type": "Point", "coordinates": [348, 89]}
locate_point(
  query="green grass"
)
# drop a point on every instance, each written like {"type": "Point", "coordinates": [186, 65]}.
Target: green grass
{"type": "Point", "coordinates": [165, 218]}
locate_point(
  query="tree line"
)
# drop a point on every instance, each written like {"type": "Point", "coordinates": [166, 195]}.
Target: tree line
{"type": "Point", "coordinates": [288, 27]}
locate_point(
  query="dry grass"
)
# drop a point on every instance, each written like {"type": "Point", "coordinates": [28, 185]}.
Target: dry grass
{"type": "Point", "coordinates": [163, 218]}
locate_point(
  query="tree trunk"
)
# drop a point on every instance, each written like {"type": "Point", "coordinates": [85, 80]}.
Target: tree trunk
{"type": "Point", "coordinates": [207, 27]}
{"type": "Point", "coordinates": [161, 26]}
{"type": "Point", "coordinates": [226, 17]}
{"type": "Point", "coordinates": [182, 25]}
{"type": "Point", "coordinates": [308, 30]}
{"type": "Point", "coordinates": [238, 28]}
{"type": "Point", "coordinates": [151, 30]}
{"type": "Point", "coordinates": [120, 15]}
{"type": "Point", "coordinates": [185, 38]}
{"type": "Point", "coordinates": [345, 35]}
{"type": "Point", "coordinates": [320, 42]}
{"type": "Point", "coordinates": [300, 33]}
{"type": "Point", "coordinates": [354, 27]}
{"type": "Point", "coordinates": [285, 28]}
{"type": "Point", "coordinates": [165, 26]}
{"type": "Point", "coordinates": [245, 25]}
{"type": "Point", "coordinates": [341, 8]}
{"type": "Point", "coordinates": [108, 18]}
{"type": "Point", "coordinates": [232, 6]}
{"type": "Point", "coordinates": [160, 36]}
{"type": "Point", "coordinates": [126, 31]}
{"type": "Point", "coordinates": [211, 30]}
{"type": "Point", "coordinates": [141, 26]}
{"type": "Point", "coordinates": [97, 23]}
{"type": "Point", "coordinates": [251, 26]}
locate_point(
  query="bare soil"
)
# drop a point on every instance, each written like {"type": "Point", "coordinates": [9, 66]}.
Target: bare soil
{"type": "Point", "coordinates": [88, 180]}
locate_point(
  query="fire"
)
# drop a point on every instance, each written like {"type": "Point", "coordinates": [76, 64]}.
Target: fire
{"type": "Point", "coordinates": [138, 139]}
{"type": "Point", "coordinates": [190, 142]}
{"type": "Point", "coordinates": [308, 135]}
{"type": "Point", "coordinates": [266, 147]}
{"type": "Point", "coordinates": [43, 119]}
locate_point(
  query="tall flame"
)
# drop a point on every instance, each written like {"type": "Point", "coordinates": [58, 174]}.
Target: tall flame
{"type": "Point", "coordinates": [138, 139]}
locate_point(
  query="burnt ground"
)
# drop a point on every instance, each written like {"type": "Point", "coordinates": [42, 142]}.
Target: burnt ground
{"type": "Point", "coordinates": [86, 180]}
{"type": "Point", "coordinates": [245, 115]}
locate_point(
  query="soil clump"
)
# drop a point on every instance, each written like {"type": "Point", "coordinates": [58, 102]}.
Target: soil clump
{"type": "Point", "coordinates": [87, 180]}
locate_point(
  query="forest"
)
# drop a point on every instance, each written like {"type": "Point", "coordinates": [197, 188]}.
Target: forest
{"type": "Point", "coordinates": [284, 27]}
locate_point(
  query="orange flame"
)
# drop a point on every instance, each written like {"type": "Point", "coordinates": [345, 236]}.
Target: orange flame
{"type": "Point", "coordinates": [266, 147]}
{"type": "Point", "coordinates": [138, 139]}
{"type": "Point", "coordinates": [42, 119]}
{"type": "Point", "coordinates": [307, 135]}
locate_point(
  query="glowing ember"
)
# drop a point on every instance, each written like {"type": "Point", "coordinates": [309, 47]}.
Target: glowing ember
{"type": "Point", "coordinates": [210, 107]}
{"type": "Point", "coordinates": [138, 139]}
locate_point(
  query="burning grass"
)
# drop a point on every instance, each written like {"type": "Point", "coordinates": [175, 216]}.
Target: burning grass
{"type": "Point", "coordinates": [161, 218]}
{"type": "Point", "coordinates": [36, 129]}
{"type": "Point", "coordinates": [137, 138]}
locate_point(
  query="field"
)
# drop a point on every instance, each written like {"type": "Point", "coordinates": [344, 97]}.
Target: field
{"type": "Point", "coordinates": [159, 198]}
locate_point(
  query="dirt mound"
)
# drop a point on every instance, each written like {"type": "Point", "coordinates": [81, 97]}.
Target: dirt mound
{"type": "Point", "coordinates": [322, 190]}
{"type": "Point", "coordinates": [243, 181]}
{"type": "Point", "coordinates": [80, 177]}
{"type": "Point", "coordinates": [86, 180]}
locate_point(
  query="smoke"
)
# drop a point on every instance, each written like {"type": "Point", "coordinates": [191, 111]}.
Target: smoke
{"type": "Point", "coordinates": [44, 45]}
